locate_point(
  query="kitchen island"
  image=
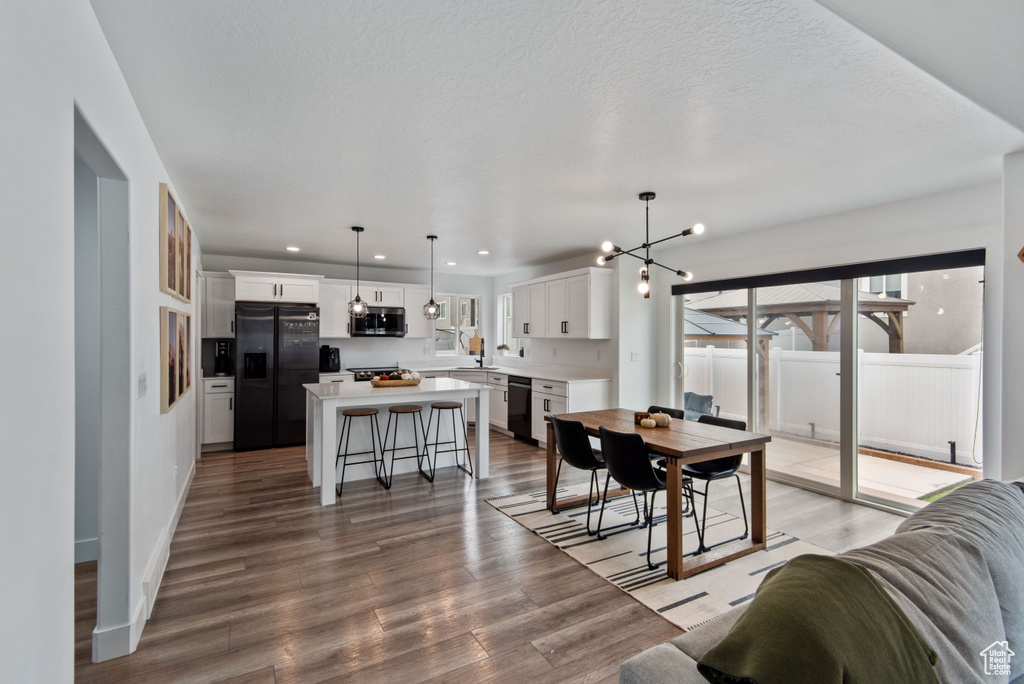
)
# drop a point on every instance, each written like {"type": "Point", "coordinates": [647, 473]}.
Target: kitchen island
{"type": "Point", "coordinates": [323, 401]}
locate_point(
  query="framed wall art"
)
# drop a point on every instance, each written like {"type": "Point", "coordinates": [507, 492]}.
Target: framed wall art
{"type": "Point", "coordinates": [175, 356]}
{"type": "Point", "coordinates": [175, 248]}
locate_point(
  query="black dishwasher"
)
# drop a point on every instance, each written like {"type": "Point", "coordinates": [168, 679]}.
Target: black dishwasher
{"type": "Point", "coordinates": [519, 418]}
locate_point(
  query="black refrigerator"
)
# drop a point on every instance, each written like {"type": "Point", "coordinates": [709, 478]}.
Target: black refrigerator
{"type": "Point", "coordinates": [276, 352]}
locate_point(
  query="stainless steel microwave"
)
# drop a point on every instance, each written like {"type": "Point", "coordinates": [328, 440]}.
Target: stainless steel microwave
{"type": "Point", "coordinates": [380, 322]}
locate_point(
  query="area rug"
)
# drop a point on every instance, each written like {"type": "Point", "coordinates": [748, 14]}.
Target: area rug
{"type": "Point", "coordinates": [621, 558]}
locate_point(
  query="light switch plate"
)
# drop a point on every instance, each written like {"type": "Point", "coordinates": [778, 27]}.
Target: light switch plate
{"type": "Point", "coordinates": [634, 356]}
{"type": "Point", "coordinates": [142, 384]}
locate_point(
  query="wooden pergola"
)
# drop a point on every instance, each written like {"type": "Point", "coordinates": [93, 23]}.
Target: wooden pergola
{"type": "Point", "coordinates": [702, 326]}
{"type": "Point", "coordinates": [818, 302]}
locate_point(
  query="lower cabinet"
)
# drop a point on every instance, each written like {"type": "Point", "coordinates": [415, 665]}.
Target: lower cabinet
{"type": "Point", "coordinates": [218, 410]}
{"type": "Point", "coordinates": [499, 399]}
{"type": "Point", "coordinates": [542, 405]}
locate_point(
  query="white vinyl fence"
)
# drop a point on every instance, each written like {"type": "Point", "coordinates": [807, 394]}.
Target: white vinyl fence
{"type": "Point", "coordinates": [908, 403]}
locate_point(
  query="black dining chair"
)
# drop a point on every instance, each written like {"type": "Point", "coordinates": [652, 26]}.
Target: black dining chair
{"type": "Point", "coordinates": [674, 412]}
{"type": "Point", "coordinates": [574, 448]}
{"type": "Point", "coordinates": [625, 457]}
{"type": "Point", "coordinates": [718, 469]}
{"type": "Point", "coordinates": [659, 461]}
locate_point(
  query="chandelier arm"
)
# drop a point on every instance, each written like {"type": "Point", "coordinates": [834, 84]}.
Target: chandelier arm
{"type": "Point", "coordinates": [655, 263]}
{"type": "Point", "coordinates": [670, 237]}
{"type": "Point", "coordinates": [630, 253]}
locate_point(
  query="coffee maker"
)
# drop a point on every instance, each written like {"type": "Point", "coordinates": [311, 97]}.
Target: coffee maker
{"type": "Point", "coordinates": [330, 359]}
{"type": "Point", "coordinates": [222, 364]}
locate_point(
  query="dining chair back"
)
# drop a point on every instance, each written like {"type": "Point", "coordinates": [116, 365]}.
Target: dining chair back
{"type": "Point", "coordinates": [574, 444]}
{"type": "Point", "coordinates": [718, 469]}
{"type": "Point", "coordinates": [625, 456]}
{"type": "Point", "coordinates": [674, 412]}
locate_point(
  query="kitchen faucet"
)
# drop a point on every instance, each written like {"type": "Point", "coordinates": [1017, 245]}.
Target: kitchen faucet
{"type": "Point", "coordinates": [481, 359]}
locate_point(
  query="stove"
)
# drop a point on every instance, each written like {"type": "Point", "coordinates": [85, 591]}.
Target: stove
{"type": "Point", "coordinates": [369, 373]}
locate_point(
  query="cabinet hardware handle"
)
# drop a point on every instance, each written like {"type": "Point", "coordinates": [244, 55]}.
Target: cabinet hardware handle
{"type": "Point", "coordinates": [506, 397]}
{"type": "Point", "coordinates": [231, 403]}
{"type": "Point", "coordinates": [232, 327]}
{"type": "Point", "coordinates": [546, 386]}
{"type": "Point", "coordinates": [218, 385]}
{"type": "Point", "coordinates": [348, 328]}
{"type": "Point", "coordinates": [406, 328]}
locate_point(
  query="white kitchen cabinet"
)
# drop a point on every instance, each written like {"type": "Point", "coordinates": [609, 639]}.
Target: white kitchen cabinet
{"type": "Point", "coordinates": [334, 319]}
{"type": "Point", "coordinates": [253, 286]}
{"type": "Point", "coordinates": [499, 399]}
{"type": "Point", "coordinates": [219, 306]}
{"type": "Point", "coordinates": [574, 304]}
{"type": "Point", "coordinates": [552, 397]}
{"type": "Point", "coordinates": [218, 410]}
{"type": "Point", "coordinates": [543, 404]}
{"type": "Point", "coordinates": [469, 376]}
{"type": "Point", "coordinates": [415, 324]}
{"type": "Point", "coordinates": [529, 310]}
{"type": "Point", "coordinates": [433, 374]}
{"type": "Point", "coordinates": [382, 294]}
{"type": "Point", "coordinates": [569, 307]}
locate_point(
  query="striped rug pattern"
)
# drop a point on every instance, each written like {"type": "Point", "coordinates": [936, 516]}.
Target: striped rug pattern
{"type": "Point", "coordinates": [621, 557]}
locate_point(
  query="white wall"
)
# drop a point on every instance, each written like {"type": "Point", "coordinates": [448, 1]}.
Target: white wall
{"type": "Point", "coordinates": [966, 218]}
{"type": "Point", "coordinates": [53, 56]}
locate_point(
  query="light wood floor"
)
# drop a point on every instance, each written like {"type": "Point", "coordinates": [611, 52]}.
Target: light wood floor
{"type": "Point", "coordinates": [425, 583]}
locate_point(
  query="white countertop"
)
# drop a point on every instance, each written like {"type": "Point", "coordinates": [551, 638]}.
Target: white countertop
{"type": "Point", "coordinates": [364, 390]}
{"type": "Point", "coordinates": [561, 373]}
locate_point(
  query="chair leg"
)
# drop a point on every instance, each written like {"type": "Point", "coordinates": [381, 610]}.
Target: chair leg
{"type": "Point", "coordinates": [704, 519]}
{"type": "Point", "coordinates": [384, 448]}
{"type": "Point", "coordinates": [594, 484]}
{"type": "Point", "coordinates": [465, 434]}
{"type": "Point", "coordinates": [343, 457]}
{"type": "Point", "coordinates": [743, 508]}
{"type": "Point", "coordinates": [426, 449]}
{"type": "Point", "coordinates": [382, 473]}
{"type": "Point", "coordinates": [551, 504]}
{"type": "Point", "coordinates": [604, 499]}
{"type": "Point", "coordinates": [650, 529]}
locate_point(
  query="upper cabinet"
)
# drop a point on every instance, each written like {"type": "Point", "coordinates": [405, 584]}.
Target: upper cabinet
{"type": "Point", "coordinates": [334, 318]}
{"type": "Point", "coordinates": [576, 304]}
{"type": "Point", "coordinates": [219, 306]}
{"type": "Point", "coordinates": [415, 324]}
{"type": "Point", "coordinates": [528, 310]}
{"type": "Point", "coordinates": [253, 286]}
{"type": "Point", "coordinates": [382, 294]}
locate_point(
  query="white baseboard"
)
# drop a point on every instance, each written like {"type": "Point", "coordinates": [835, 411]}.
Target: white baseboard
{"type": "Point", "coordinates": [151, 584]}
{"type": "Point", "coordinates": [121, 640]}
{"type": "Point", "coordinates": [87, 550]}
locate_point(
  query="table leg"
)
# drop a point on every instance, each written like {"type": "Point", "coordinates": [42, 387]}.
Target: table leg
{"type": "Point", "coordinates": [552, 462]}
{"type": "Point", "coordinates": [758, 497]}
{"type": "Point", "coordinates": [674, 486]}
{"type": "Point", "coordinates": [328, 452]}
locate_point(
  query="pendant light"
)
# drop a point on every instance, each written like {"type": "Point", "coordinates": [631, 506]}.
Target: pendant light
{"type": "Point", "coordinates": [644, 286]}
{"type": "Point", "coordinates": [357, 307]}
{"type": "Point", "coordinates": [431, 310]}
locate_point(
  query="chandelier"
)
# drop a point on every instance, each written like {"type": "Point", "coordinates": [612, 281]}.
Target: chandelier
{"type": "Point", "coordinates": [613, 251]}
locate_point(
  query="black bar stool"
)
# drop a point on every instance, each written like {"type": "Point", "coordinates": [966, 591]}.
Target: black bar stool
{"type": "Point", "coordinates": [343, 440]}
{"type": "Point", "coordinates": [396, 412]}
{"type": "Point", "coordinates": [440, 407]}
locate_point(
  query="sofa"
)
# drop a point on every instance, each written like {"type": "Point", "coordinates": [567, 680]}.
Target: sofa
{"type": "Point", "coordinates": [954, 570]}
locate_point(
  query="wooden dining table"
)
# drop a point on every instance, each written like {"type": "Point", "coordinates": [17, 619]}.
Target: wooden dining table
{"type": "Point", "coordinates": [681, 442]}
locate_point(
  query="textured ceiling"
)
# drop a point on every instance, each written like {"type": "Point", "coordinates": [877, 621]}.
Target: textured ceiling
{"type": "Point", "coordinates": [528, 128]}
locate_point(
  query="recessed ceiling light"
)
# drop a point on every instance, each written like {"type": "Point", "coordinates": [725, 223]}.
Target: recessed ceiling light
{"type": "Point", "coordinates": [379, 256]}
{"type": "Point", "coordinates": [450, 263]}
{"type": "Point", "coordinates": [483, 251]}
{"type": "Point", "coordinates": [292, 249]}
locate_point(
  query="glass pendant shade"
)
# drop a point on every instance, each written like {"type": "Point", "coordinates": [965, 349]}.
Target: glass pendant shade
{"type": "Point", "coordinates": [431, 310]}
{"type": "Point", "coordinates": [357, 307]}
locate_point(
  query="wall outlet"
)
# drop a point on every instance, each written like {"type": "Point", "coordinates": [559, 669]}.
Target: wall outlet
{"type": "Point", "coordinates": [634, 356]}
{"type": "Point", "coordinates": [142, 384]}
{"type": "Point", "coordinates": [554, 352]}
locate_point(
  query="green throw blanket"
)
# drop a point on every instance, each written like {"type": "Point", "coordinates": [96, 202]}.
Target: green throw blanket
{"type": "Point", "coordinates": [822, 620]}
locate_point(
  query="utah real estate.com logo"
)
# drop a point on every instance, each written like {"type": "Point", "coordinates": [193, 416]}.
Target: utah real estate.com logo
{"type": "Point", "coordinates": [997, 658]}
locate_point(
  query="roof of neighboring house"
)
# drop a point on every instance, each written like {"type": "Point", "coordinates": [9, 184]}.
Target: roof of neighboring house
{"type": "Point", "coordinates": [700, 323]}
{"type": "Point", "coordinates": [809, 295]}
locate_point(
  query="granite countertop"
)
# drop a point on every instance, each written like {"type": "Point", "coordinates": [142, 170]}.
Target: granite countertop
{"type": "Point", "coordinates": [365, 390]}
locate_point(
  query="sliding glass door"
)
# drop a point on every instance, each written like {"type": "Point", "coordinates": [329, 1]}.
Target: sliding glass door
{"type": "Point", "coordinates": [870, 386]}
